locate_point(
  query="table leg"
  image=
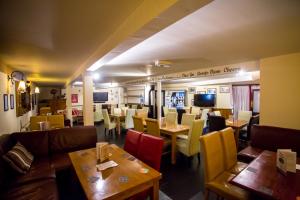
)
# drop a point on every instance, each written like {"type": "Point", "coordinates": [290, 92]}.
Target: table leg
{"type": "Point", "coordinates": [119, 125]}
{"type": "Point", "coordinates": [155, 190]}
{"type": "Point", "coordinates": [173, 149]}
{"type": "Point", "coordinates": [236, 135]}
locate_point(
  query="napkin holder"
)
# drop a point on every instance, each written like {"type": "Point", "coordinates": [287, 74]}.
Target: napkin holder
{"type": "Point", "coordinates": [286, 160]}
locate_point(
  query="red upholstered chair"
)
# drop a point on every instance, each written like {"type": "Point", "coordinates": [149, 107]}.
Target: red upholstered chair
{"type": "Point", "coordinates": [132, 142]}
{"type": "Point", "coordinates": [150, 150]}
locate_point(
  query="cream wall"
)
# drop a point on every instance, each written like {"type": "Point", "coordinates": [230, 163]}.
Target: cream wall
{"type": "Point", "coordinates": [280, 91]}
{"type": "Point", "coordinates": [9, 122]}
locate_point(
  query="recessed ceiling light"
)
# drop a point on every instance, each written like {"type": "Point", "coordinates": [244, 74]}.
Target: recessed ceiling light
{"type": "Point", "coordinates": [96, 76]}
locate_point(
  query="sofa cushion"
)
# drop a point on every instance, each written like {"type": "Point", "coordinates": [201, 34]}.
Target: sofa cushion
{"type": "Point", "coordinates": [72, 139]}
{"type": "Point", "coordinates": [19, 158]}
{"type": "Point", "coordinates": [39, 170]}
{"type": "Point", "coordinates": [38, 190]}
{"type": "Point", "coordinates": [36, 142]}
{"type": "Point", "coordinates": [273, 138]}
{"type": "Point", "coordinates": [60, 161]}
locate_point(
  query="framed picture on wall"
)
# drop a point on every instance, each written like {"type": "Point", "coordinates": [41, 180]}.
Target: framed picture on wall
{"type": "Point", "coordinates": [5, 102]}
{"type": "Point", "coordinates": [74, 98]}
{"type": "Point", "coordinates": [224, 89]}
{"type": "Point", "coordinates": [192, 90]}
{"type": "Point", "coordinates": [211, 90]}
{"type": "Point", "coordinates": [12, 101]}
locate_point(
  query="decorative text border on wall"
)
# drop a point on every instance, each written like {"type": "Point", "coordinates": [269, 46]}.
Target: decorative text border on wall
{"type": "Point", "coordinates": [200, 73]}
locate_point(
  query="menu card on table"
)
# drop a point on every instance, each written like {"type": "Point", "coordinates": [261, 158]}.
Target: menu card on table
{"type": "Point", "coordinates": [102, 151]}
{"type": "Point", "coordinates": [286, 160]}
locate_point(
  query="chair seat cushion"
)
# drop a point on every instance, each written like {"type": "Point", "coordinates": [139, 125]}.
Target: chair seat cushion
{"type": "Point", "coordinates": [39, 170]}
{"type": "Point", "coordinates": [44, 189]}
{"type": "Point", "coordinates": [182, 146]}
{"type": "Point", "coordinates": [238, 167]}
{"type": "Point", "coordinates": [184, 137]}
{"type": "Point", "coordinates": [61, 161]}
{"type": "Point", "coordinates": [221, 186]}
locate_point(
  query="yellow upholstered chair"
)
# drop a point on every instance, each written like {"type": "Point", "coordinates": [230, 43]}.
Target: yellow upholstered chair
{"type": "Point", "coordinates": [171, 118]}
{"type": "Point", "coordinates": [172, 110]}
{"type": "Point", "coordinates": [230, 152]}
{"type": "Point", "coordinates": [45, 110]}
{"type": "Point", "coordinates": [166, 110]}
{"type": "Point", "coordinates": [141, 113]}
{"type": "Point", "coordinates": [138, 123]}
{"type": "Point", "coordinates": [56, 121]}
{"type": "Point", "coordinates": [153, 127]}
{"type": "Point", "coordinates": [189, 144]}
{"type": "Point", "coordinates": [196, 110]}
{"type": "Point", "coordinates": [216, 177]}
{"type": "Point", "coordinates": [34, 122]}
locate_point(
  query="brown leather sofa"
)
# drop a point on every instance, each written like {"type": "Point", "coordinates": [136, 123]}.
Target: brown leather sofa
{"type": "Point", "coordinates": [270, 138]}
{"type": "Point", "coordinates": [50, 150]}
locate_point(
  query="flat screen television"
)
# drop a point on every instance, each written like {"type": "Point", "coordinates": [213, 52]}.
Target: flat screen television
{"type": "Point", "coordinates": [100, 96]}
{"type": "Point", "coordinates": [205, 100]}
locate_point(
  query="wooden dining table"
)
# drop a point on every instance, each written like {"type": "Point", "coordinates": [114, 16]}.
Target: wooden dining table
{"type": "Point", "coordinates": [262, 178]}
{"type": "Point", "coordinates": [173, 131]}
{"type": "Point", "coordinates": [118, 118]}
{"type": "Point", "coordinates": [130, 177]}
{"type": "Point", "coordinates": [237, 125]}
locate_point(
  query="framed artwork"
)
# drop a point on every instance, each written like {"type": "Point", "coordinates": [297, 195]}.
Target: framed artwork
{"type": "Point", "coordinates": [74, 98]}
{"type": "Point", "coordinates": [192, 90]}
{"type": "Point", "coordinates": [12, 101]}
{"type": "Point", "coordinates": [224, 89]}
{"type": "Point", "coordinates": [5, 102]}
{"type": "Point", "coordinates": [211, 90]}
{"type": "Point", "coordinates": [201, 92]}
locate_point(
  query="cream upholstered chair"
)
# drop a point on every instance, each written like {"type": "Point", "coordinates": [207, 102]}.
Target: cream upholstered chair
{"type": "Point", "coordinates": [190, 145]}
{"type": "Point", "coordinates": [153, 127]}
{"type": "Point", "coordinates": [172, 110]}
{"type": "Point", "coordinates": [196, 110]}
{"type": "Point", "coordinates": [138, 123]}
{"type": "Point", "coordinates": [230, 152]}
{"type": "Point", "coordinates": [117, 111]}
{"type": "Point", "coordinates": [187, 119]}
{"type": "Point", "coordinates": [124, 110]}
{"type": "Point", "coordinates": [244, 115]}
{"type": "Point", "coordinates": [134, 106]}
{"type": "Point", "coordinates": [171, 118]}
{"type": "Point", "coordinates": [107, 123]}
{"type": "Point", "coordinates": [204, 116]}
{"type": "Point", "coordinates": [145, 109]}
{"type": "Point", "coordinates": [166, 110]}
{"type": "Point", "coordinates": [34, 122]}
{"type": "Point", "coordinates": [215, 175]}
{"type": "Point", "coordinates": [187, 110]}
{"type": "Point", "coordinates": [217, 113]}
{"type": "Point", "coordinates": [56, 121]}
{"type": "Point", "coordinates": [128, 119]}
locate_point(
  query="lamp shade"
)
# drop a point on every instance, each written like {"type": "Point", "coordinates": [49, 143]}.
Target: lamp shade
{"type": "Point", "coordinates": [22, 86]}
{"type": "Point", "coordinates": [37, 90]}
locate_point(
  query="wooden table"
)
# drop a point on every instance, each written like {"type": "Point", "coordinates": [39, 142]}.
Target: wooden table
{"type": "Point", "coordinates": [108, 184]}
{"type": "Point", "coordinates": [173, 131]}
{"type": "Point", "coordinates": [237, 125]}
{"type": "Point", "coordinates": [263, 178]}
{"type": "Point", "coordinates": [118, 119]}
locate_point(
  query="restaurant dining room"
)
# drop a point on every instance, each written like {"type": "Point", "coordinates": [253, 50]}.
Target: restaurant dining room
{"type": "Point", "coordinates": [150, 99]}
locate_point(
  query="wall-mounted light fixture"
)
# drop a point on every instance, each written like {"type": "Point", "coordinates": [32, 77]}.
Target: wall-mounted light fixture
{"type": "Point", "coordinates": [17, 75]}
{"type": "Point", "coordinates": [37, 90]}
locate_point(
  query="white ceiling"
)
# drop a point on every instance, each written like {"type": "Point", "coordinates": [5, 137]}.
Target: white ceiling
{"type": "Point", "coordinates": [222, 32]}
